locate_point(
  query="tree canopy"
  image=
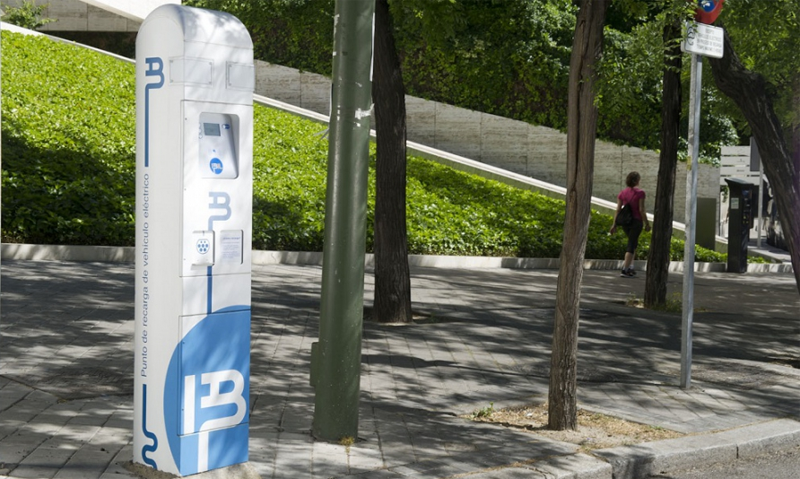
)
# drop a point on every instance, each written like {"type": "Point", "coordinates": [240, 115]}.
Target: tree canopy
{"type": "Point", "coordinates": [511, 57]}
{"type": "Point", "coordinates": [767, 38]}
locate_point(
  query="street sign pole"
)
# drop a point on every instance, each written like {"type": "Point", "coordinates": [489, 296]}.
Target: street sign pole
{"type": "Point", "coordinates": [755, 164]}
{"type": "Point", "coordinates": [761, 190]}
{"type": "Point", "coordinates": [701, 39]}
{"type": "Point", "coordinates": [691, 218]}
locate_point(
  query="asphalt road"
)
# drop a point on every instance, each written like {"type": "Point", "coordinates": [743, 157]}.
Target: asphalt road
{"type": "Point", "coordinates": [784, 465]}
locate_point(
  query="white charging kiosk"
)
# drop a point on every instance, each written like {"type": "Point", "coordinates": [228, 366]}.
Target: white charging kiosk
{"type": "Point", "coordinates": [194, 142]}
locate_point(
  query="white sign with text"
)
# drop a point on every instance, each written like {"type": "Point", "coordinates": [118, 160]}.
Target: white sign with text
{"type": "Point", "coordinates": [704, 40]}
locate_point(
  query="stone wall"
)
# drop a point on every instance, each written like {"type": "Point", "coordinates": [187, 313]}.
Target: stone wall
{"type": "Point", "coordinates": [530, 150]}
{"type": "Point", "coordinates": [94, 15]}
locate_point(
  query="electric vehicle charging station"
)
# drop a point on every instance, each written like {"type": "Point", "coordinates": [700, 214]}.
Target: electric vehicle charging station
{"type": "Point", "coordinates": [194, 142]}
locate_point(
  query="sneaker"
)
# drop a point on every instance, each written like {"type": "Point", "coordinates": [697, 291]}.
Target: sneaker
{"type": "Point", "coordinates": [628, 273]}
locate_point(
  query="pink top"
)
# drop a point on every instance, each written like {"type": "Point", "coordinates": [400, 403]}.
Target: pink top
{"type": "Point", "coordinates": [632, 195]}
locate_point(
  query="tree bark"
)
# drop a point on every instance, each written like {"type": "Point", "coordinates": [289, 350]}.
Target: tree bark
{"type": "Point", "coordinates": [655, 289]}
{"type": "Point", "coordinates": [581, 130]}
{"type": "Point", "coordinates": [749, 91]}
{"type": "Point", "coordinates": [392, 276]}
{"type": "Point", "coordinates": [795, 133]}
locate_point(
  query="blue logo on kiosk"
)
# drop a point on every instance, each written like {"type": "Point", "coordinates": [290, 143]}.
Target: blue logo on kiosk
{"type": "Point", "coordinates": [216, 166]}
{"type": "Point", "coordinates": [203, 246]}
{"type": "Point", "coordinates": [206, 393]}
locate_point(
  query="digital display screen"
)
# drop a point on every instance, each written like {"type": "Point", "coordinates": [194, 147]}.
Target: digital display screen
{"type": "Point", "coordinates": [211, 129]}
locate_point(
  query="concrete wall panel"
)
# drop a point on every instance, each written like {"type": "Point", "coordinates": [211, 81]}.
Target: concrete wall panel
{"type": "Point", "coordinates": [423, 127]}
{"type": "Point", "coordinates": [94, 15]}
{"type": "Point", "coordinates": [458, 131]}
{"type": "Point", "coordinates": [547, 155]}
{"type": "Point", "coordinates": [278, 82]}
{"type": "Point", "coordinates": [100, 20]}
{"type": "Point", "coordinates": [315, 93]}
{"type": "Point", "coordinates": [504, 142]}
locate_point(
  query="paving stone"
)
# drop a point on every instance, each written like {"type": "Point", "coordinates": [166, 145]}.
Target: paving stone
{"type": "Point", "coordinates": [34, 472]}
{"type": "Point", "coordinates": [50, 457]}
{"type": "Point", "coordinates": [510, 473]}
{"type": "Point", "coordinates": [416, 379]}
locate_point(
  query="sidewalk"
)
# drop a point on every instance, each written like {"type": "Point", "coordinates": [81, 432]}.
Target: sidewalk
{"type": "Point", "coordinates": [66, 384]}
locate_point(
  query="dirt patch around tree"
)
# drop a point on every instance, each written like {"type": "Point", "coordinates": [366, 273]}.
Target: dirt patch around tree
{"type": "Point", "coordinates": [595, 430]}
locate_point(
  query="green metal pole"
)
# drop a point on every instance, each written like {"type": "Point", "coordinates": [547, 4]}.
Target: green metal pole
{"type": "Point", "coordinates": [336, 359]}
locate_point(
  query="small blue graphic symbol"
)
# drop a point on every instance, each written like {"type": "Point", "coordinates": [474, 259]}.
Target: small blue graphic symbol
{"type": "Point", "coordinates": [203, 245]}
{"type": "Point", "coordinates": [226, 126]}
{"type": "Point", "coordinates": [216, 165]}
{"type": "Point", "coordinates": [708, 5]}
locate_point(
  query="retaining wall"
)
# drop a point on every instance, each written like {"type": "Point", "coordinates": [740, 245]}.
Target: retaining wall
{"type": "Point", "coordinates": [530, 150]}
{"type": "Point", "coordinates": [94, 15]}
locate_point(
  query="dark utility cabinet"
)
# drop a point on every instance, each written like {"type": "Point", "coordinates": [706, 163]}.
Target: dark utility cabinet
{"type": "Point", "coordinates": [740, 220]}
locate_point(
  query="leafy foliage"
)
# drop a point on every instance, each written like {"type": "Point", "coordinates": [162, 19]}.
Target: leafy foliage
{"type": "Point", "coordinates": [449, 212]}
{"type": "Point", "coordinates": [295, 33]}
{"type": "Point", "coordinates": [766, 36]}
{"type": "Point", "coordinates": [504, 57]}
{"type": "Point", "coordinates": [28, 15]}
{"type": "Point", "coordinates": [69, 162]}
{"type": "Point", "coordinates": [508, 58]}
{"type": "Point", "coordinates": [68, 144]}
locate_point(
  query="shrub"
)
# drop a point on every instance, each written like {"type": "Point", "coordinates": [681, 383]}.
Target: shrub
{"type": "Point", "coordinates": [28, 15]}
{"type": "Point", "coordinates": [69, 169]}
{"type": "Point", "coordinates": [68, 144]}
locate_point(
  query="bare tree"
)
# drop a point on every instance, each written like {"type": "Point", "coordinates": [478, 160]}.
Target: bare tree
{"type": "Point", "coordinates": [655, 290]}
{"type": "Point", "coordinates": [587, 47]}
{"type": "Point", "coordinates": [392, 276]}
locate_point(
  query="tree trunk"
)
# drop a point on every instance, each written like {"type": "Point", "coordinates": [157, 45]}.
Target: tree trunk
{"type": "Point", "coordinates": [392, 277]}
{"type": "Point", "coordinates": [581, 130]}
{"type": "Point", "coordinates": [795, 133]}
{"type": "Point", "coordinates": [655, 289]}
{"type": "Point", "coordinates": [749, 91]}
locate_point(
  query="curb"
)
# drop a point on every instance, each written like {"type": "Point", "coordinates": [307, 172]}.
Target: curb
{"type": "Point", "coordinates": [643, 460]}
{"type": "Point", "coordinates": [577, 466]}
{"type": "Point", "coordinates": [659, 457]}
{"type": "Point", "coordinates": [626, 462]}
{"type": "Point", "coordinates": [126, 254]}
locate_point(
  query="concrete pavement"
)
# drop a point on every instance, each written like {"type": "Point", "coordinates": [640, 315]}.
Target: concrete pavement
{"type": "Point", "coordinates": [66, 384]}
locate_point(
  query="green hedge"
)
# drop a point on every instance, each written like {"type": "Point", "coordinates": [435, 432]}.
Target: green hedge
{"type": "Point", "coordinates": [69, 163]}
{"type": "Point", "coordinates": [68, 144]}
{"type": "Point", "coordinates": [449, 212]}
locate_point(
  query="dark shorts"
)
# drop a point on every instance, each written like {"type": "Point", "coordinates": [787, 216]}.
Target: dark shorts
{"type": "Point", "coordinates": [633, 231]}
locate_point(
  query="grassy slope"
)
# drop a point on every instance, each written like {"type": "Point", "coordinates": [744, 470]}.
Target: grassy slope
{"type": "Point", "coordinates": [69, 160]}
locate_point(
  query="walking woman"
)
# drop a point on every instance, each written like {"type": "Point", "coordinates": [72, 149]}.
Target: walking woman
{"type": "Point", "coordinates": [633, 196]}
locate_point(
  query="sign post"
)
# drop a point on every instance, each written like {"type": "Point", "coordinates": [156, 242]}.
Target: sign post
{"type": "Point", "coordinates": [755, 164]}
{"type": "Point", "coordinates": [691, 217]}
{"type": "Point", "coordinates": [701, 39]}
{"type": "Point", "coordinates": [194, 175]}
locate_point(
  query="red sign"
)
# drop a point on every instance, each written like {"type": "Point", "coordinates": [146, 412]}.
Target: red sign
{"type": "Point", "coordinates": [708, 10]}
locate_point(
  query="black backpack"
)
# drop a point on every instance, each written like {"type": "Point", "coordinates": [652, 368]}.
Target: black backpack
{"type": "Point", "coordinates": [625, 216]}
